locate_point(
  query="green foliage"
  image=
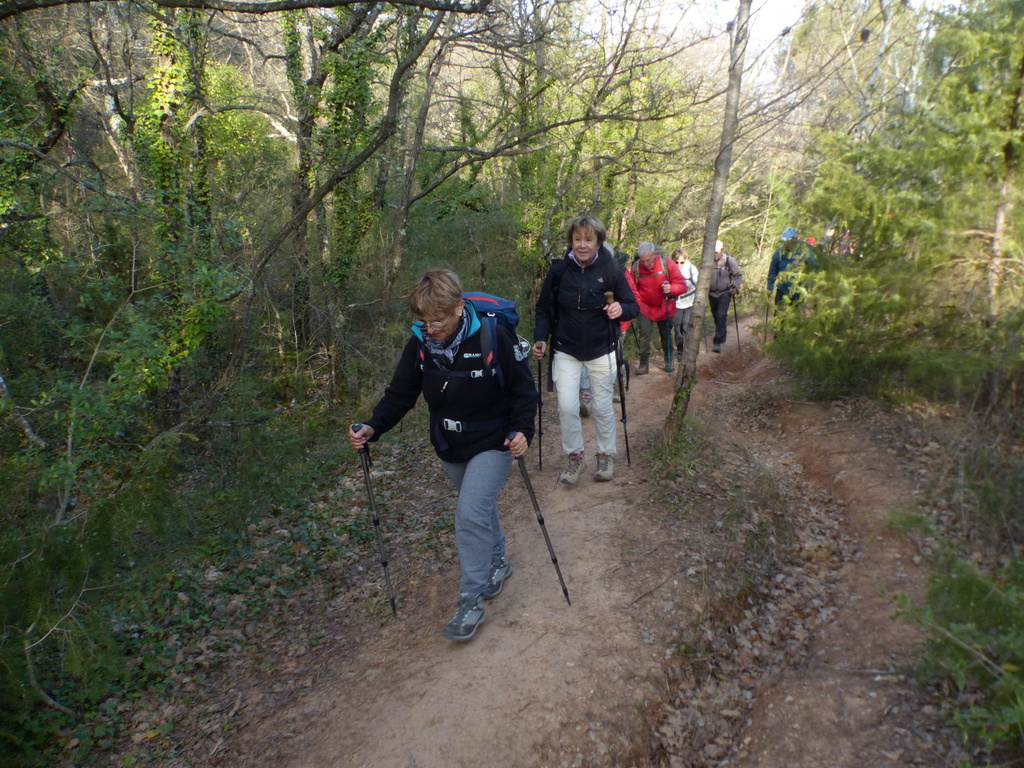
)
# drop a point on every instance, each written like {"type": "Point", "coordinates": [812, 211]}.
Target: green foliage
{"type": "Point", "coordinates": [921, 305]}
{"type": "Point", "coordinates": [113, 605]}
{"type": "Point", "coordinates": [158, 139]}
{"type": "Point", "coordinates": [976, 628]}
{"type": "Point", "coordinates": [351, 105]}
{"type": "Point", "coordinates": [990, 488]}
{"type": "Point", "coordinates": [921, 310]}
{"type": "Point", "coordinates": [244, 158]}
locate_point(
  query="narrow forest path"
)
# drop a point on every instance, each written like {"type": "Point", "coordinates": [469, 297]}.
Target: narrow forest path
{"type": "Point", "coordinates": [815, 674]}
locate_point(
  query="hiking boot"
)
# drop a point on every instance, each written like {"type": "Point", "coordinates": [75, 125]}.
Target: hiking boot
{"type": "Point", "coordinates": [716, 347]}
{"type": "Point", "coordinates": [571, 474]}
{"type": "Point", "coordinates": [616, 398]}
{"type": "Point", "coordinates": [501, 569]}
{"type": "Point", "coordinates": [644, 367]}
{"type": "Point", "coordinates": [469, 614]}
{"type": "Point", "coordinates": [584, 405]}
{"type": "Point", "coordinates": [605, 468]}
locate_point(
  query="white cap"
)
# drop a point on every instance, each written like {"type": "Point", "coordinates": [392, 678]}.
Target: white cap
{"type": "Point", "coordinates": [718, 245]}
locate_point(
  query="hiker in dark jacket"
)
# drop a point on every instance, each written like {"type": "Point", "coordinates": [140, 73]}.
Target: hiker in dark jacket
{"type": "Point", "coordinates": [480, 419]}
{"type": "Point", "coordinates": [574, 312]}
{"type": "Point", "coordinates": [725, 284]}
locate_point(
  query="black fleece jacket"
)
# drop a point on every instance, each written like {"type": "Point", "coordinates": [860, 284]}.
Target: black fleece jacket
{"type": "Point", "coordinates": [460, 398]}
{"type": "Point", "coordinates": [571, 302]}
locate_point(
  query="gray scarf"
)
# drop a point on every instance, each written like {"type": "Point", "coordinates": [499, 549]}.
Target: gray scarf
{"type": "Point", "coordinates": [444, 351]}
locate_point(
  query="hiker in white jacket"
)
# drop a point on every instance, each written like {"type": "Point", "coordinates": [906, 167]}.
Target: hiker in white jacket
{"type": "Point", "coordinates": [684, 303]}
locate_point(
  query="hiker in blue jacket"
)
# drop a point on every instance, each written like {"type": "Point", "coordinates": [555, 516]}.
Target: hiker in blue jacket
{"type": "Point", "coordinates": [789, 259]}
{"type": "Point", "coordinates": [583, 297]}
{"type": "Point", "coordinates": [481, 417]}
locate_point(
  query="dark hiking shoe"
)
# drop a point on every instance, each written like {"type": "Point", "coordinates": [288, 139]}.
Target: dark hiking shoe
{"type": "Point", "coordinates": [716, 347]}
{"type": "Point", "coordinates": [571, 474]}
{"type": "Point", "coordinates": [501, 569]}
{"type": "Point", "coordinates": [469, 614]}
{"type": "Point", "coordinates": [643, 368]}
{"type": "Point", "coordinates": [584, 405]}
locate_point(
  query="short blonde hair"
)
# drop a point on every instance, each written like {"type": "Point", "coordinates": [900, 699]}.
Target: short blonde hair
{"type": "Point", "coordinates": [679, 252]}
{"type": "Point", "coordinates": [587, 225]}
{"type": "Point", "coordinates": [437, 293]}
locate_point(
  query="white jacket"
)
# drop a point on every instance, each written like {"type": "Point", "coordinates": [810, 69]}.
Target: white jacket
{"type": "Point", "coordinates": [690, 273]}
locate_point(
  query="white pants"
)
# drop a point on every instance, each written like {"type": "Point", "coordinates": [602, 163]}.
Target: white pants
{"type": "Point", "coordinates": [566, 371]}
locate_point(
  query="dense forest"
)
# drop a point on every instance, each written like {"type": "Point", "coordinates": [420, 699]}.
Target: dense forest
{"type": "Point", "coordinates": [210, 214]}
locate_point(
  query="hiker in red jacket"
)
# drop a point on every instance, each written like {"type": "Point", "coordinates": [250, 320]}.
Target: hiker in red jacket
{"type": "Point", "coordinates": [656, 282]}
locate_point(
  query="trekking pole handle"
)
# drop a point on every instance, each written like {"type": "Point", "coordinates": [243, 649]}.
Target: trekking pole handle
{"type": "Point", "coordinates": [510, 436]}
{"type": "Point", "coordinates": [366, 447]}
{"type": "Point", "coordinates": [609, 297]}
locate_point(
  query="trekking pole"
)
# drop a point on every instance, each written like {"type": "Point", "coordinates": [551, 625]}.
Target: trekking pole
{"type": "Point", "coordinates": [767, 309]}
{"type": "Point", "coordinates": [364, 457]}
{"type": "Point", "coordinates": [540, 519]}
{"type": "Point", "coordinates": [540, 417]}
{"type": "Point", "coordinates": [668, 333]}
{"type": "Point", "coordinates": [736, 317]}
{"type": "Point", "coordinates": [609, 297]}
{"type": "Point", "coordinates": [704, 326]}
{"type": "Point", "coordinates": [620, 351]}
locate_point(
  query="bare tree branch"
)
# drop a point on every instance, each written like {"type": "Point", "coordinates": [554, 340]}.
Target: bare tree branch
{"type": "Point", "coordinates": [16, 7]}
{"type": "Point", "coordinates": [384, 132]}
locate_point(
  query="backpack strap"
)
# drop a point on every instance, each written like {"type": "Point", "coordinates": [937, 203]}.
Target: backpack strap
{"type": "Point", "coordinates": [489, 346]}
{"type": "Point", "coordinates": [636, 270]}
{"type": "Point", "coordinates": [488, 352]}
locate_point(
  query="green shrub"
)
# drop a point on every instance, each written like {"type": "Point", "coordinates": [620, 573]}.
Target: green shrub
{"type": "Point", "coordinates": [976, 628]}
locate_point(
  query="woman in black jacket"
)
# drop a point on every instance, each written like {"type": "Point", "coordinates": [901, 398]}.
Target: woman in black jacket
{"type": "Point", "coordinates": [583, 298]}
{"type": "Point", "coordinates": [481, 417]}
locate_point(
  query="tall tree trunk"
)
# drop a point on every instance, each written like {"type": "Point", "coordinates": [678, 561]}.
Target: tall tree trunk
{"type": "Point", "coordinates": [394, 267]}
{"type": "Point", "coordinates": [686, 377]}
{"type": "Point", "coordinates": [1011, 163]}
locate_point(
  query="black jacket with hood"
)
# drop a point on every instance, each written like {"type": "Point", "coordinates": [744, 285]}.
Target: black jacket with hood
{"type": "Point", "coordinates": [570, 308]}
{"type": "Point", "coordinates": [479, 405]}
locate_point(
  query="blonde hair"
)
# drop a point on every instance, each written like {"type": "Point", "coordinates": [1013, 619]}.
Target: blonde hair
{"type": "Point", "coordinates": [679, 252]}
{"type": "Point", "coordinates": [437, 293]}
{"type": "Point", "coordinates": [587, 225]}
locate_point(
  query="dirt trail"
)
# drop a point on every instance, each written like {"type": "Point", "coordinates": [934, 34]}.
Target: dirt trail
{"type": "Point", "coordinates": [849, 702]}
{"type": "Point", "coordinates": [549, 684]}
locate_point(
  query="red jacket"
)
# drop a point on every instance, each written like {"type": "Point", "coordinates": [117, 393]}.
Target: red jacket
{"type": "Point", "coordinates": [646, 284]}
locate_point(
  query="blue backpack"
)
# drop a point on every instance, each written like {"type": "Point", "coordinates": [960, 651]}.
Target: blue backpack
{"type": "Point", "coordinates": [503, 310]}
{"type": "Point", "coordinates": [492, 311]}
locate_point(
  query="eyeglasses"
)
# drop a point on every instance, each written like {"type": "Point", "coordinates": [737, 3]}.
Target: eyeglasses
{"type": "Point", "coordinates": [435, 325]}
